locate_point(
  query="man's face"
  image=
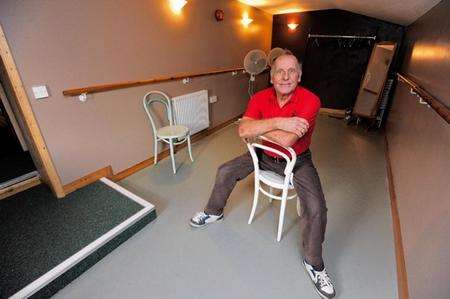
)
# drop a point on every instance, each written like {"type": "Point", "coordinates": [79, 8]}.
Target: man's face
{"type": "Point", "coordinates": [286, 75]}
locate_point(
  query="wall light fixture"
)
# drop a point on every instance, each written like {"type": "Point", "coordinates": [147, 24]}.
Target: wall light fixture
{"type": "Point", "coordinates": [246, 20]}
{"type": "Point", "coordinates": [292, 26]}
{"type": "Point", "coordinates": [177, 5]}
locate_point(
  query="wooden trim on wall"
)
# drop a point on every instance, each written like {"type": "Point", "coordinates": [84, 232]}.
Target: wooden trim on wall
{"type": "Point", "coordinates": [19, 187]}
{"type": "Point", "coordinates": [88, 179]}
{"type": "Point", "coordinates": [50, 176]}
{"type": "Point", "coordinates": [120, 85]}
{"type": "Point", "coordinates": [437, 105]}
{"type": "Point", "coordinates": [340, 113]}
{"type": "Point", "coordinates": [402, 279]}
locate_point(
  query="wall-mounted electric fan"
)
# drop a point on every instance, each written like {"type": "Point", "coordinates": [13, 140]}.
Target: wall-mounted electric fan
{"type": "Point", "coordinates": [273, 54]}
{"type": "Point", "coordinates": [255, 62]}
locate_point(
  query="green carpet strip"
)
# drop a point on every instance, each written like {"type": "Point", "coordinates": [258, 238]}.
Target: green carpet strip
{"type": "Point", "coordinates": [39, 233]}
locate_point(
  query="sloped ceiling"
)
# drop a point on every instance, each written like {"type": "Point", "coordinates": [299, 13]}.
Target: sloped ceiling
{"type": "Point", "coordinates": [403, 12]}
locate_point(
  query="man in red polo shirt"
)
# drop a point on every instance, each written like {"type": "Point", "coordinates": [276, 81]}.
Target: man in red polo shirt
{"type": "Point", "coordinates": [285, 113]}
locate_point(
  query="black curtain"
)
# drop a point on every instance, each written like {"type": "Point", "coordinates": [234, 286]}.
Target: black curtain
{"type": "Point", "coordinates": [334, 67]}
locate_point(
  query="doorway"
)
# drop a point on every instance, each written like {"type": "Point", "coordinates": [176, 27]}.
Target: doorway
{"type": "Point", "coordinates": [16, 164]}
{"type": "Point", "coordinates": [19, 100]}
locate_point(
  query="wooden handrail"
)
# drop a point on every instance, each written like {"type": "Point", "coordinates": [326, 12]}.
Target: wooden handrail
{"type": "Point", "coordinates": [113, 86]}
{"type": "Point", "coordinates": [439, 107]}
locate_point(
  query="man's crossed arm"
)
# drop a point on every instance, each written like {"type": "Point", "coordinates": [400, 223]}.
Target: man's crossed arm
{"type": "Point", "coordinates": [283, 130]}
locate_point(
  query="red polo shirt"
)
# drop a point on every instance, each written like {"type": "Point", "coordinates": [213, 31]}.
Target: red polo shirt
{"type": "Point", "coordinates": [303, 103]}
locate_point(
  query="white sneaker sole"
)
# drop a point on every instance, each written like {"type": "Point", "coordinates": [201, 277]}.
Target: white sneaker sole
{"type": "Point", "coordinates": [206, 224]}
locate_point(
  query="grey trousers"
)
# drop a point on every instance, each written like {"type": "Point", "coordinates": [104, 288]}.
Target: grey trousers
{"type": "Point", "coordinates": [313, 218]}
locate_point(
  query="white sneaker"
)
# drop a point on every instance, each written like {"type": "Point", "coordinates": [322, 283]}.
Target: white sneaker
{"type": "Point", "coordinates": [321, 281]}
{"type": "Point", "coordinates": [201, 219]}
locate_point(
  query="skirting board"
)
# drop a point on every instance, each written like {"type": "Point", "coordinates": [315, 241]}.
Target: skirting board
{"type": "Point", "coordinates": [402, 279]}
{"type": "Point", "coordinates": [88, 179]}
{"type": "Point", "coordinates": [333, 112]}
{"type": "Point", "coordinates": [82, 260]}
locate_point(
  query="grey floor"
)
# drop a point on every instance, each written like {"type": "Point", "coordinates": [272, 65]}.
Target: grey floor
{"type": "Point", "coordinates": [232, 259]}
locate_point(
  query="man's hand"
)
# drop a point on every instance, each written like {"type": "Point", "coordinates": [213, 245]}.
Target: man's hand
{"type": "Point", "coordinates": [296, 125]}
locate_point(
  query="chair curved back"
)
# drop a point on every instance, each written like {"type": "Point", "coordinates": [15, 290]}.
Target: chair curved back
{"type": "Point", "coordinates": [269, 179]}
{"type": "Point", "coordinates": [171, 134]}
{"type": "Point", "coordinates": [156, 96]}
{"type": "Point", "coordinates": [290, 161]}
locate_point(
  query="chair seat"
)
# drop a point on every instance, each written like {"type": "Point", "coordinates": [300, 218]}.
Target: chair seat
{"type": "Point", "coordinates": [172, 131]}
{"type": "Point", "coordinates": [273, 179]}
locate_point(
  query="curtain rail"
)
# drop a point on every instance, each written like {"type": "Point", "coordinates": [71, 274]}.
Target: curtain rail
{"type": "Point", "coordinates": [341, 36]}
{"type": "Point", "coordinates": [424, 95]}
{"type": "Point", "coordinates": [120, 85]}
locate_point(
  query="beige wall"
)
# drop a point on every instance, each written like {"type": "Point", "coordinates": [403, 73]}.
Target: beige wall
{"type": "Point", "coordinates": [419, 142]}
{"type": "Point", "coordinates": [68, 44]}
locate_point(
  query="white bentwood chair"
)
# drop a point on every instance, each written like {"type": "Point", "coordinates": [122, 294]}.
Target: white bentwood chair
{"type": "Point", "coordinates": [172, 134]}
{"type": "Point", "coordinates": [273, 180]}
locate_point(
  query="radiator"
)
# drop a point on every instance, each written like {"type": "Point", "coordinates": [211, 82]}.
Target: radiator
{"type": "Point", "coordinates": [191, 110]}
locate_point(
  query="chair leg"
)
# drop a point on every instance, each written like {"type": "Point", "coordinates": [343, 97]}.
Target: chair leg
{"type": "Point", "coordinates": [255, 201]}
{"type": "Point", "coordinates": [281, 218]}
{"type": "Point", "coordinates": [299, 207]}
{"type": "Point", "coordinates": [189, 147]}
{"type": "Point", "coordinates": [155, 152]}
{"type": "Point", "coordinates": [172, 156]}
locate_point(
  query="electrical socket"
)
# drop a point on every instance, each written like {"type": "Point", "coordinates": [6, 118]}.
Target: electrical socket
{"type": "Point", "coordinates": [82, 97]}
{"type": "Point", "coordinates": [212, 99]}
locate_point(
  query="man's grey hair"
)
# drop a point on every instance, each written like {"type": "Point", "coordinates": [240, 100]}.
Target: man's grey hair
{"type": "Point", "coordinates": [286, 53]}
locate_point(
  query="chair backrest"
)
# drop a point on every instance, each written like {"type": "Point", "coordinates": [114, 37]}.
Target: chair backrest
{"type": "Point", "coordinates": [156, 96]}
{"type": "Point", "coordinates": [290, 161]}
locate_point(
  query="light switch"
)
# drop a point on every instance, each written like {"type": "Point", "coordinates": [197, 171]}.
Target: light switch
{"type": "Point", "coordinates": [40, 92]}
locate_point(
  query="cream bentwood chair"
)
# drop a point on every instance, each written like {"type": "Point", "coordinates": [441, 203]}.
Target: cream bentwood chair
{"type": "Point", "coordinates": [172, 134]}
{"type": "Point", "coordinates": [273, 180]}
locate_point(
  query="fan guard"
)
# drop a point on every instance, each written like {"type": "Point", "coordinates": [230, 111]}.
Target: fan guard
{"type": "Point", "coordinates": [255, 62]}
{"type": "Point", "coordinates": [274, 54]}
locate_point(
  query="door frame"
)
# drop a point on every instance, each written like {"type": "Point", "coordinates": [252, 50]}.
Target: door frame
{"type": "Point", "coordinates": [36, 146]}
